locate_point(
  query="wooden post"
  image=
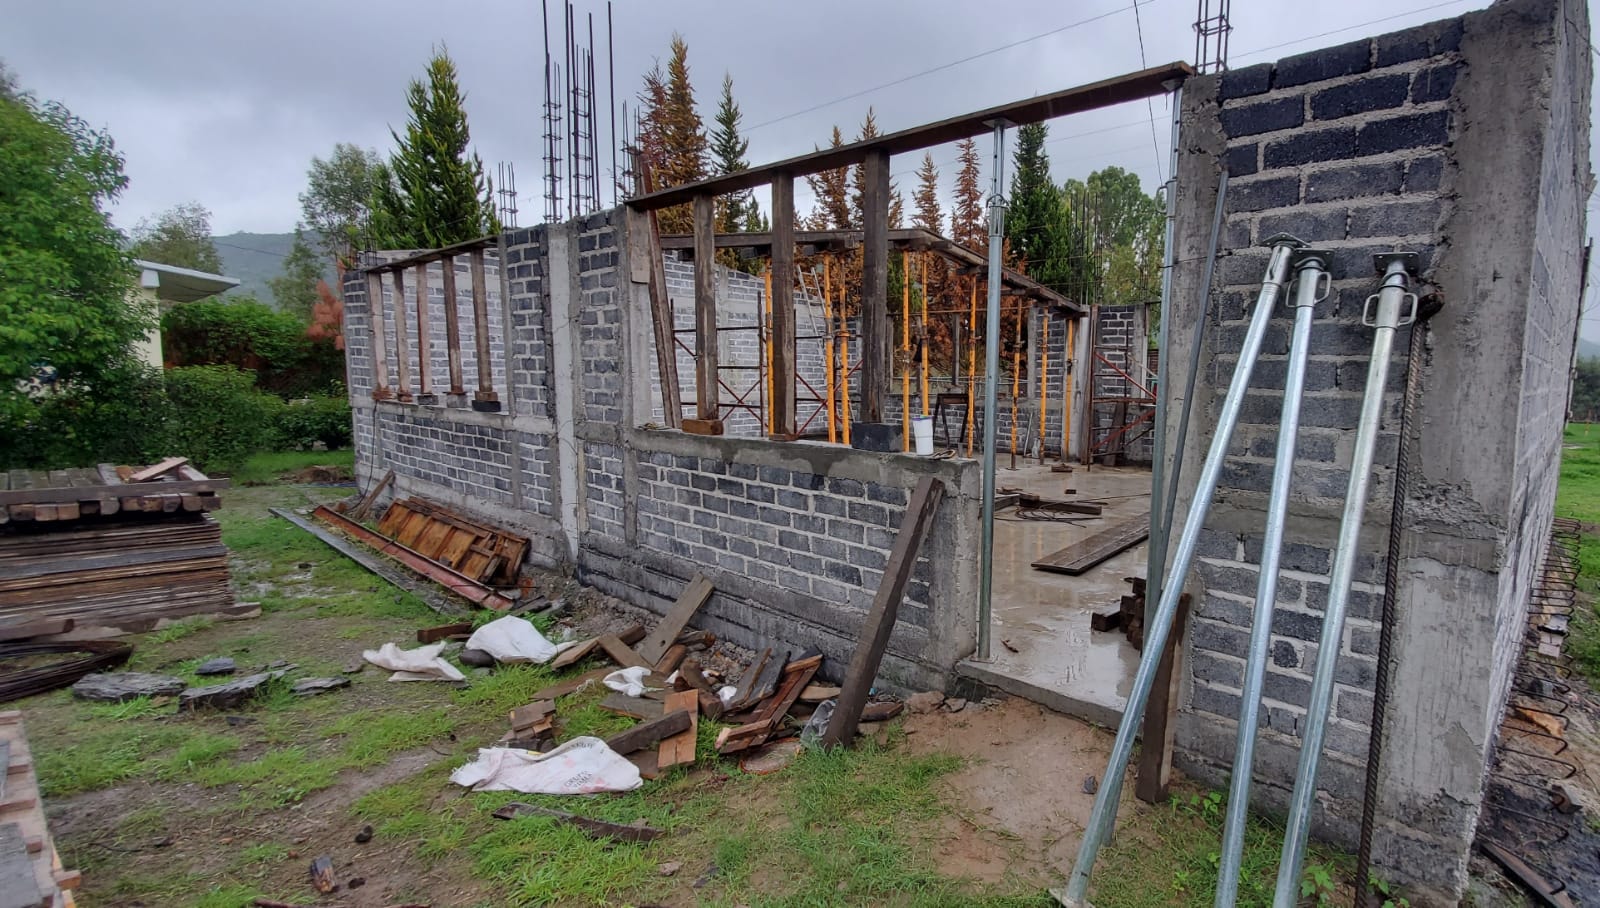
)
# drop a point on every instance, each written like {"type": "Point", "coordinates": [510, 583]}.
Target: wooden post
{"type": "Point", "coordinates": [1159, 729]}
{"type": "Point", "coordinates": [1044, 381]}
{"type": "Point", "coordinates": [705, 310]}
{"type": "Point", "coordinates": [452, 326]}
{"type": "Point", "coordinates": [874, 285]}
{"type": "Point", "coordinates": [905, 350]}
{"type": "Point", "coordinates": [424, 339]}
{"type": "Point", "coordinates": [783, 342]}
{"type": "Point", "coordinates": [875, 630]}
{"type": "Point", "coordinates": [485, 397]}
{"type": "Point", "coordinates": [1068, 366]}
{"type": "Point", "coordinates": [402, 343]}
{"type": "Point", "coordinates": [844, 357]}
{"type": "Point", "coordinates": [380, 343]}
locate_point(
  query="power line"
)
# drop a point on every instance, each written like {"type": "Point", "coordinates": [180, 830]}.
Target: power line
{"type": "Point", "coordinates": [1155, 143]}
{"type": "Point", "coordinates": [944, 66]}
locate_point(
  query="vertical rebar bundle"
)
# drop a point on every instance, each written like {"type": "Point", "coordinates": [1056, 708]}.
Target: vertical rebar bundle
{"type": "Point", "coordinates": [571, 125]}
{"type": "Point", "coordinates": [1211, 30]}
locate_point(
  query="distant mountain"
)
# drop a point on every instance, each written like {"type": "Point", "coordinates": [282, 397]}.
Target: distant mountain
{"type": "Point", "coordinates": [1588, 349]}
{"type": "Point", "coordinates": [255, 259]}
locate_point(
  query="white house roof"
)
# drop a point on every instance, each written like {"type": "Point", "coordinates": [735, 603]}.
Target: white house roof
{"type": "Point", "coordinates": [181, 285]}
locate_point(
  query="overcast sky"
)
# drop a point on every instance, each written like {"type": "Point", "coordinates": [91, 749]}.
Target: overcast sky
{"type": "Point", "coordinates": [226, 103]}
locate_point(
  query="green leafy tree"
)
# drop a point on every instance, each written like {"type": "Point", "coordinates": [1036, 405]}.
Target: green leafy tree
{"type": "Point", "coordinates": [294, 291]}
{"type": "Point", "coordinates": [334, 203]}
{"type": "Point", "coordinates": [180, 236]}
{"type": "Point", "coordinates": [1586, 391]}
{"type": "Point", "coordinates": [432, 192]}
{"type": "Point", "coordinates": [65, 308]}
{"type": "Point", "coordinates": [1115, 233]}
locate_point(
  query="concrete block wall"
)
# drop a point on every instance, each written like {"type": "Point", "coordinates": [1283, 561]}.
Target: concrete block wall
{"type": "Point", "coordinates": [1421, 140]}
{"type": "Point", "coordinates": [1122, 338]}
{"type": "Point", "coordinates": [794, 536]}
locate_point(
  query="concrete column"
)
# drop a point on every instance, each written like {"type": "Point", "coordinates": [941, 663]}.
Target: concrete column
{"type": "Point", "coordinates": [568, 384]}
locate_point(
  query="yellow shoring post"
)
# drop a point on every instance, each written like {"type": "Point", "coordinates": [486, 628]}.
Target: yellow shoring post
{"type": "Point", "coordinates": [1066, 392]}
{"type": "Point", "coordinates": [844, 368]}
{"type": "Point", "coordinates": [1044, 378]}
{"type": "Point", "coordinates": [1016, 364]}
{"type": "Point", "coordinates": [827, 354]}
{"type": "Point", "coordinates": [905, 350]}
{"type": "Point", "coordinates": [766, 346]}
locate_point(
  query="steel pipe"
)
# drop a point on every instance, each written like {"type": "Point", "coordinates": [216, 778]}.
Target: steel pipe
{"type": "Point", "coordinates": [1309, 282]}
{"type": "Point", "coordinates": [1386, 311]}
{"type": "Point", "coordinates": [991, 381]}
{"type": "Point", "coordinates": [1104, 816]}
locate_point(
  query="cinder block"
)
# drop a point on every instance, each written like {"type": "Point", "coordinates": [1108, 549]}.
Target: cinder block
{"type": "Point", "coordinates": [1408, 131]}
{"type": "Point", "coordinates": [1328, 63]}
{"type": "Point", "coordinates": [1311, 146]}
{"type": "Point", "coordinates": [1360, 96]}
{"type": "Point", "coordinates": [1263, 116]}
{"type": "Point", "coordinates": [1354, 181]}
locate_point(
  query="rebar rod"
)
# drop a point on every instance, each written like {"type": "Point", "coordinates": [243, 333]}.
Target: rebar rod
{"type": "Point", "coordinates": [991, 403]}
{"type": "Point", "coordinates": [1104, 815]}
{"type": "Point", "coordinates": [1391, 305]}
{"type": "Point", "coordinates": [1309, 273]}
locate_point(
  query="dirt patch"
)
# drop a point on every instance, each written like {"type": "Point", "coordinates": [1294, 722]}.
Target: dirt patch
{"type": "Point", "coordinates": [319, 475]}
{"type": "Point", "coordinates": [1019, 801]}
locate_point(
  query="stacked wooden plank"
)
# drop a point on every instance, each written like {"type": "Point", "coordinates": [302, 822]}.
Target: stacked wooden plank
{"type": "Point", "coordinates": [31, 873]}
{"type": "Point", "coordinates": [482, 553]}
{"type": "Point", "coordinates": [113, 550]}
{"type": "Point", "coordinates": [44, 496]}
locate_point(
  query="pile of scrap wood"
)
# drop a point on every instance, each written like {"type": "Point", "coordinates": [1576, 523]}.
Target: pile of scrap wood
{"type": "Point", "coordinates": [31, 873]}
{"type": "Point", "coordinates": [111, 551]}
{"type": "Point", "coordinates": [483, 553]}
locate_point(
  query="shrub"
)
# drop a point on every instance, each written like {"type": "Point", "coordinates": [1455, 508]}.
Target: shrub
{"type": "Point", "coordinates": [249, 335]}
{"type": "Point", "coordinates": [123, 418]}
{"type": "Point", "coordinates": [321, 417]}
{"type": "Point", "coordinates": [220, 418]}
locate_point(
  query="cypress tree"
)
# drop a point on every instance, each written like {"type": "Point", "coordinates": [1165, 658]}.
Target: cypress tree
{"type": "Point", "coordinates": [966, 221]}
{"type": "Point", "coordinates": [738, 211]}
{"type": "Point", "coordinates": [1033, 198]}
{"type": "Point", "coordinates": [682, 138]}
{"type": "Point", "coordinates": [432, 192]}
{"type": "Point", "coordinates": [930, 214]}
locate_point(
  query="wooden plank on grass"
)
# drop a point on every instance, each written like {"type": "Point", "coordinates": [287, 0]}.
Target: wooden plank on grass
{"type": "Point", "coordinates": [599, 829]}
{"type": "Point", "coordinates": [632, 707]}
{"type": "Point", "coordinates": [535, 713]}
{"type": "Point", "coordinates": [570, 685]}
{"type": "Point", "coordinates": [868, 655]}
{"type": "Point", "coordinates": [621, 653]}
{"type": "Point", "coordinates": [572, 655]}
{"type": "Point", "coordinates": [435, 634]}
{"type": "Point", "coordinates": [678, 750]}
{"type": "Point", "coordinates": [647, 733]}
{"type": "Point", "coordinates": [1083, 555]}
{"type": "Point", "coordinates": [677, 618]}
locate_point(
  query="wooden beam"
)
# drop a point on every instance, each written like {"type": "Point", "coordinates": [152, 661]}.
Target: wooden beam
{"type": "Point", "coordinates": [783, 344]}
{"type": "Point", "coordinates": [402, 342]}
{"type": "Point", "coordinates": [644, 241]}
{"type": "Point", "coordinates": [452, 325]}
{"type": "Point", "coordinates": [424, 336]}
{"type": "Point", "coordinates": [434, 255]}
{"type": "Point", "coordinates": [705, 311]}
{"type": "Point", "coordinates": [595, 829]}
{"type": "Point", "coordinates": [485, 396]}
{"type": "Point", "coordinates": [875, 630]}
{"type": "Point", "coordinates": [679, 750]}
{"type": "Point", "coordinates": [647, 733]}
{"type": "Point", "coordinates": [874, 286]}
{"type": "Point", "coordinates": [377, 336]}
{"type": "Point", "coordinates": [1160, 728]}
{"type": "Point", "coordinates": [1108, 92]}
{"type": "Point", "coordinates": [694, 595]}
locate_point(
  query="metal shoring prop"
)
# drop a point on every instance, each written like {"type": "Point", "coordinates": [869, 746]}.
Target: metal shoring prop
{"type": "Point", "coordinates": [991, 381]}
{"type": "Point", "coordinates": [1104, 816]}
{"type": "Point", "coordinates": [1386, 311]}
{"type": "Point", "coordinates": [1160, 522]}
{"type": "Point", "coordinates": [1310, 288]}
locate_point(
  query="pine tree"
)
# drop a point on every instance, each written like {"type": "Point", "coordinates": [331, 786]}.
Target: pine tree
{"type": "Point", "coordinates": [930, 213]}
{"type": "Point", "coordinates": [869, 130]}
{"type": "Point", "coordinates": [680, 139]}
{"type": "Point", "coordinates": [966, 221]}
{"type": "Point", "coordinates": [1033, 196]}
{"type": "Point", "coordinates": [433, 192]}
{"type": "Point", "coordinates": [833, 210]}
{"type": "Point", "coordinates": [728, 150]}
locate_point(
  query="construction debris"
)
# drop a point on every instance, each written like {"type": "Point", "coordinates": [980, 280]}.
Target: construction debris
{"type": "Point", "coordinates": [468, 588]}
{"type": "Point", "coordinates": [421, 664]}
{"type": "Point", "coordinates": [30, 867]}
{"type": "Point", "coordinates": [311, 687]}
{"type": "Point", "coordinates": [598, 829]}
{"type": "Point", "coordinates": [231, 694]}
{"type": "Point", "coordinates": [220, 666]}
{"type": "Point", "coordinates": [474, 550]}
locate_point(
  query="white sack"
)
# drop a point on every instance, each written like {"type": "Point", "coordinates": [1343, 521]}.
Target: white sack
{"type": "Point", "coordinates": [513, 639]}
{"type": "Point", "coordinates": [580, 766]}
{"type": "Point", "coordinates": [629, 680]}
{"type": "Point", "coordinates": [420, 664]}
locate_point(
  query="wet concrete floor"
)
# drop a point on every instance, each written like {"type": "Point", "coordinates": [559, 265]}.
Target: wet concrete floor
{"type": "Point", "coordinates": [1043, 648]}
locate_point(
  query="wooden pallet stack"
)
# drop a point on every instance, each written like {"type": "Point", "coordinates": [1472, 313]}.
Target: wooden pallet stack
{"type": "Point", "coordinates": [114, 549]}
{"type": "Point", "coordinates": [31, 873]}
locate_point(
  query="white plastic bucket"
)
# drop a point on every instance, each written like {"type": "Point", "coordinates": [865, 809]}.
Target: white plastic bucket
{"type": "Point", "coordinates": [922, 434]}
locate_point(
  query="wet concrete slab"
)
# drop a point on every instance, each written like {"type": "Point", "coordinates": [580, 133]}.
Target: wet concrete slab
{"type": "Point", "coordinates": [1043, 647]}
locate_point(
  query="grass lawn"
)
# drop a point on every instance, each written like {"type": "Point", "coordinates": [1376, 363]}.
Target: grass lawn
{"type": "Point", "coordinates": [213, 810]}
{"type": "Point", "coordinates": [1578, 497]}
